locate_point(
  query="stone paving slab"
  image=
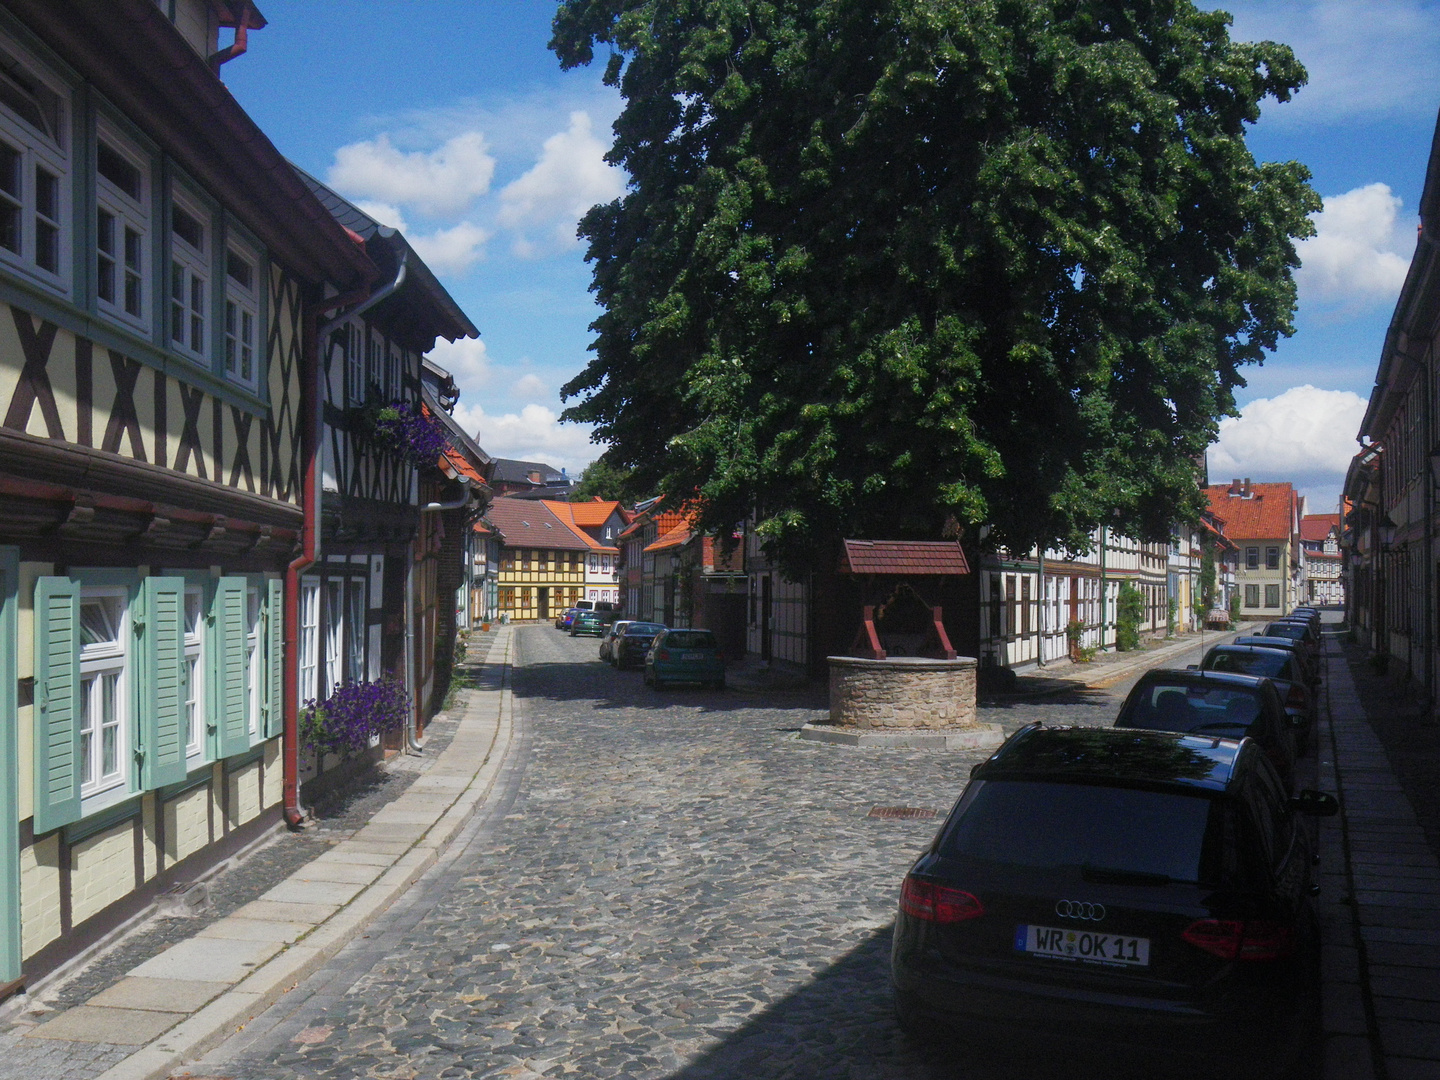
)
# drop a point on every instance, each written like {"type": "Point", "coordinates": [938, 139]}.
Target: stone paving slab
{"type": "Point", "coordinates": [159, 995]}
{"type": "Point", "coordinates": [117, 1027]}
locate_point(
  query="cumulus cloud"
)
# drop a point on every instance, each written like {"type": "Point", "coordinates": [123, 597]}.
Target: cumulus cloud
{"type": "Point", "coordinates": [1360, 252]}
{"type": "Point", "coordinates": [440, 183]}
{"type": "Point", "coordinates": [570, 177]}
{"type": "Point", "coordinates": [384, 213]}
{"type": "Point", "coordinates": [529, 386]}
{"type": "Point", "coordinates": [533, 434]}
{"type": "Point", "coordinates": [1305, 435]}
{"type": "Point", "coordinates": [453, 250]}
{"type": "Point", "coordinates": [466, 359]}
{"type": "Point", "coordinates": [1364, 60]}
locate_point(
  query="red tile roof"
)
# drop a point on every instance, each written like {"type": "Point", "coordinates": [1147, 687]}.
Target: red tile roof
{"type": "Point", "coordinates": [1318, 526]}
{"type": "Point", "coordinates": [530, 523]}
{"type": "Point", "coordinates": [1269, 513]}
{"type": "Point", "coordinates": [593, 514]}
{"type": "Point", "coordinates": [903, 557]}
{"type": "Point", "coordinates": [563, 511]}
{"type": "Point", "coordinates": [676, 537]}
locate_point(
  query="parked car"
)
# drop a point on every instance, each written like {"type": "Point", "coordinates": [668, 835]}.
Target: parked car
{"type": "Point", "coordinates": [1122, 898]}
{"type": "Point", "coordinates": [1282, 667]}
{"type": "Point", "coordinates": [1214, 703]}
{"type": "Point", "coordinates": [565, 618]}
{"type": "Point", "coordinates": [607, 642]}
{"type": "Point", "coordinates": [1291, 645]}
{"type": "Point", "coordinates": [629, 649]}
{"type": "Point", "coordinates": [1297, 629]}
{"type": "Point", "coordinates": [685, 656]}
{"type": "Point", "coordinates": [591, 622]}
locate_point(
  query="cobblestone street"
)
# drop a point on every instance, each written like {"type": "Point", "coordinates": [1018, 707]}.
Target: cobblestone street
{"type": "Point", "coordinates": [678, 888]}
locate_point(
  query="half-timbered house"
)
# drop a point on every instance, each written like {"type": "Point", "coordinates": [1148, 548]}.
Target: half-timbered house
{"type": "Point", "coordinates": [162, 270]}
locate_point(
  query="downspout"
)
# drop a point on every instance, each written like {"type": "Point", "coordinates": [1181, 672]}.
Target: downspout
{"type": "Point", "coordinates": [1102, 588]}
{"type": "Point", "coordinates": [1040, 628]}
{"type": "Point", "coordinates": [239, 45]}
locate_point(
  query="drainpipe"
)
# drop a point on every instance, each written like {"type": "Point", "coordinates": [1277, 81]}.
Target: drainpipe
{"type": "Point", "coordinates": [1102, 588]}
{"type": "Point", "coordinates": [239, 45]}
{"type": "Point", "coordinates": [1040, 643]}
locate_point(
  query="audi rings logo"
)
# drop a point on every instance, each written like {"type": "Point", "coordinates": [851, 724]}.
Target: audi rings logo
{"type": "Point", "coordinates": [1075, 909]}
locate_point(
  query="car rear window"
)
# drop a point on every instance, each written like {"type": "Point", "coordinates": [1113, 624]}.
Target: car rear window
{"type": "Point", "coordinates": [643, 629]}
{"type": "Point", "coordinates": [1292, 631]}
{"type": "Point", "coordinates": [1268, 665]}
{"type": "Point", "coordinates": [1212, 709]}
{"type": "Point", "coordinates": [690, 639]}
{"type": "Point", "coordinates": [1104, 830]}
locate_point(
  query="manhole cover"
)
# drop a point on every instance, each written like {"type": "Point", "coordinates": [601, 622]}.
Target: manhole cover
{"type": "Point", "coordinates": [901, 812]}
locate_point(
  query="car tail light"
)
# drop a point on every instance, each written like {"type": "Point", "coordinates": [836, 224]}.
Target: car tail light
{"type": "Point", "coordinates": [1236, 939]}
{"type": "Point", "coordinates": [662, 654]}
{"type": "Point", "coordinates": [938, 903]}
{"type": "Point", "coordinates": [1296, 697]}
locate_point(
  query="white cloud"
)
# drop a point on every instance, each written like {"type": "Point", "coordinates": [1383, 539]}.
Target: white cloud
{"type": "Point", "coordinates": [529, 386]}
{"type": "Point", "coordinates": [384, 213]}
{"type": "Point", "coordinates": [533, 434]}
{"type": "Point", "coordinates": [1364, 59]}
{"type": "Point", "coordinates": [1359, 255]}
{"type": "Point", "coordinates": [453, 250]}
{"type": "Point", "coordinates": [440, 183]}
{"type": "Point", "coordinates": [570, 177]}
{"type": "Point", "coordinates": [467, 360]}
{"type": "Point", "coordinates": [1305, 435]}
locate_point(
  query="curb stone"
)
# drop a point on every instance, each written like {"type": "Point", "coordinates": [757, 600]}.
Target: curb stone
{"type": "Point", "coordinates": [235, 1007]}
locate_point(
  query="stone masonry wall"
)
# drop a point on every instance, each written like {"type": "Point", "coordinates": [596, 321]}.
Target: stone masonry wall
{"type": "Point", "coordinates": [903, 692]}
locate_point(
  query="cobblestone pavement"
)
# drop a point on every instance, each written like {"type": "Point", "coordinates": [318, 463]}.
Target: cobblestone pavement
{"type": "Point", "coordinates": [679, 888]}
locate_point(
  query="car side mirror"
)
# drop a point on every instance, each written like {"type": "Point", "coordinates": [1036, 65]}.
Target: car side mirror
{"type": "Point", "coordinates": [1315, 803]}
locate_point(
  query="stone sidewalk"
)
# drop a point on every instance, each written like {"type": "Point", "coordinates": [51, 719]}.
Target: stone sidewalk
{"type": "Point", "coordinates": [177, 1004]}
{"type": "Point", "coordinates": [1380, 905]}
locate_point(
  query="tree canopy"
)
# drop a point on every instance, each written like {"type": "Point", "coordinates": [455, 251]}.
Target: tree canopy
{"type": "Point", "coordinates": [600, 479]}
{"type": "Point", "coordinates": [887, 263]}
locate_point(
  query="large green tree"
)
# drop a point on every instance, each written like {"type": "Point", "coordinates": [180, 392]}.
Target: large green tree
{"type": "Point", "coordinates": [887, 263]}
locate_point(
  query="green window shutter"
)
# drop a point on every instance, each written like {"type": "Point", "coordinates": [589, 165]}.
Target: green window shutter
{"type": "Point", "coordinates": [161, 637]}
{"type": "Point", "coordinates": [57, 702]}
{"type": "Point", "coordinates": [275, 660]}
{"type": "Point", "coordinates": [232, 725]}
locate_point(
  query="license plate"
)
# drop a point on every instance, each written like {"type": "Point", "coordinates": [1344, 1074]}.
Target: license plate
{"type": "Point", "coordinates": [692, 656]}
{"type": "Point", "coordinates": [1086, 946]}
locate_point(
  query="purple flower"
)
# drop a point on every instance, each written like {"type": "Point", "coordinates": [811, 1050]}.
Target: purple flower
{"type": "Point", "coordinates": [405, 429]}
{"type": "Point", "coordinates": [353, 714]}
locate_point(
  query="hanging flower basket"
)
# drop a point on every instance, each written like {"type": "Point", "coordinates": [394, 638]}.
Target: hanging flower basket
{"type": "Point", "coordinates": [353, 714]}
{"type": "Point", "coordinates": [402, 428]}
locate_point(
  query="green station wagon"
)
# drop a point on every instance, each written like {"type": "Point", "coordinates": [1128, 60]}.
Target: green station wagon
{"type": "Point", "coordinates": [685, 656]}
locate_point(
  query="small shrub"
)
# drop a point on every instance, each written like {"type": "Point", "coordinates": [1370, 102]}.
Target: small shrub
{"type": "Point", "coordinates": [1171, 617]}
{"type": "Point", "coordinates": [1130, 609]}
{"type": "Point", "coordinates": [1234, 609]}
{"type": "Point", "coordinates": [1086, 653]}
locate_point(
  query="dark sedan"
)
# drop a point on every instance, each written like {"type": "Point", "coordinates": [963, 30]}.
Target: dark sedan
{"type": "Point", "coordinates": [593, 623]}
{"type": "Point", "coordinates": [629, 649]}
{"type": "Point", "coordinates": [1298, 648]}
{"type": "Point", "coordinates": [1214, 703]}
{"type": "Point", "coordinates": [1282, 667]}
{"type": "Point", "coordinates": [1297, 629]}
{"type": "Point", "coordinates": [1119, 899]}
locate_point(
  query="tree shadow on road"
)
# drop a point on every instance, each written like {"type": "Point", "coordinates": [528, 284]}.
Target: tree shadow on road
{"type": "Point", "coordinates": [602, 688]}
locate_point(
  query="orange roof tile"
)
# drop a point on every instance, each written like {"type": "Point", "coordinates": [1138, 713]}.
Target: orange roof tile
{"type": "Point", "coordinates": [1317, 526]}
{"type": "Point", "coordinates": [904, 557]}
{"type": "Point", "coordinates": [1269, 513]}
{"type": "Point", "coordinates": [678, 536]}
{"type": "Point", "coordinates": [593, 514]}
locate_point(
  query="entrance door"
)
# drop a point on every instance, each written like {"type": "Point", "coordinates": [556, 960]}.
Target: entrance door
{"type": "Point", "coordinates": [544, 602]}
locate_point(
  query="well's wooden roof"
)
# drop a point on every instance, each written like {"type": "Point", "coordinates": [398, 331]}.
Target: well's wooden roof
{"type": "Point", "coordinates": [911, 557]}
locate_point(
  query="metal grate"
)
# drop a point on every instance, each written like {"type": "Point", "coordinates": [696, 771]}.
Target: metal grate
{"type": "Point", "coordinates": [900, 812]}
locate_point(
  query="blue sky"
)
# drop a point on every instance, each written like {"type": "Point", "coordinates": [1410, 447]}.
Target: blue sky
{"type": "Point", "coordinates": [452, 120]}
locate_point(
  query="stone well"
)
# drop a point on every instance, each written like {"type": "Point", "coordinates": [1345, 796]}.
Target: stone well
{"type": "Point", "coordinates": [904, 701]}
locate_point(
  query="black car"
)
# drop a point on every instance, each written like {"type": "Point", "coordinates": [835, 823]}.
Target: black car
{"type": "Point", "coordinates": [1214, 703]}
{"type": "Point", "coordinates": [1119, 898]}
{"type": "Point", "coordinates": [1282, 667]}
{"type": "Point", "coordinates": [1299, 630]}
{"type": "Point", "coordinates": [629, 649]}
{"type": "Point", "coordinates": [1292, 645]}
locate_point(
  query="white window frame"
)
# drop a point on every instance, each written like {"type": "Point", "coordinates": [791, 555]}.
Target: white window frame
{"type": "Point", "coordinates": [193, 268]}
{"type": "Point", "coordinates": [242, 306]}
{"type": "Point", "coordinates": [394, 364]}
{"type": "Point", "coordinates": [309, 638]}
{"type": "Point", "coordinates": [355, 345]}
{"type": "Point", "coordinates": [195, 689]}
{"type": "Point", "coordinates": [355, 614]}
{"type": "Point", "coordinates": [334, 636]}
{"type": "Point", "coordinates": [254, 669]}
{"type": "Point", "coordinates": [131, 217]}
{"type": "Point", "coordinates": [375, 352]}
{"type": "Point", "coordinates": [96, 662]}
{"type": "Point", "coordinates": [36, 149]}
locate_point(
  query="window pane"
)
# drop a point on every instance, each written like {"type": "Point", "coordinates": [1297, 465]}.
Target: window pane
{"type": "Point", "coordinates": [239, 270]}
{"type": "Point", "coordinates": [10, 171]}
{"type": "Point", "coordinates": [188, 229]}
{"type": "Point", "coordinates": [113, 166]}
{"type": "Point", "coordinates": [132, 249]}
{"type": "Point", "coordinates": [177, 303]}
{"type": "Point", "coordinates": [109, 725]}
{"type": "Point", "coordinates": [47, 193]}
{"type": "Point", "coordinates": [99, 620]}
{"type": "Point", "coordinates": [89, 709]}
{"type": "Point", "coordinates": [105, 262]}
{"type": "Point", "coordinates": [192, 612]}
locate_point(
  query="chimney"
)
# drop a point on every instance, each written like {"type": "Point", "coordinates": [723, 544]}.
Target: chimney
{"type": "Point", "coordinates": [1234, 487]}
{"type": "Point", "coordinates": [1247, 493]}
